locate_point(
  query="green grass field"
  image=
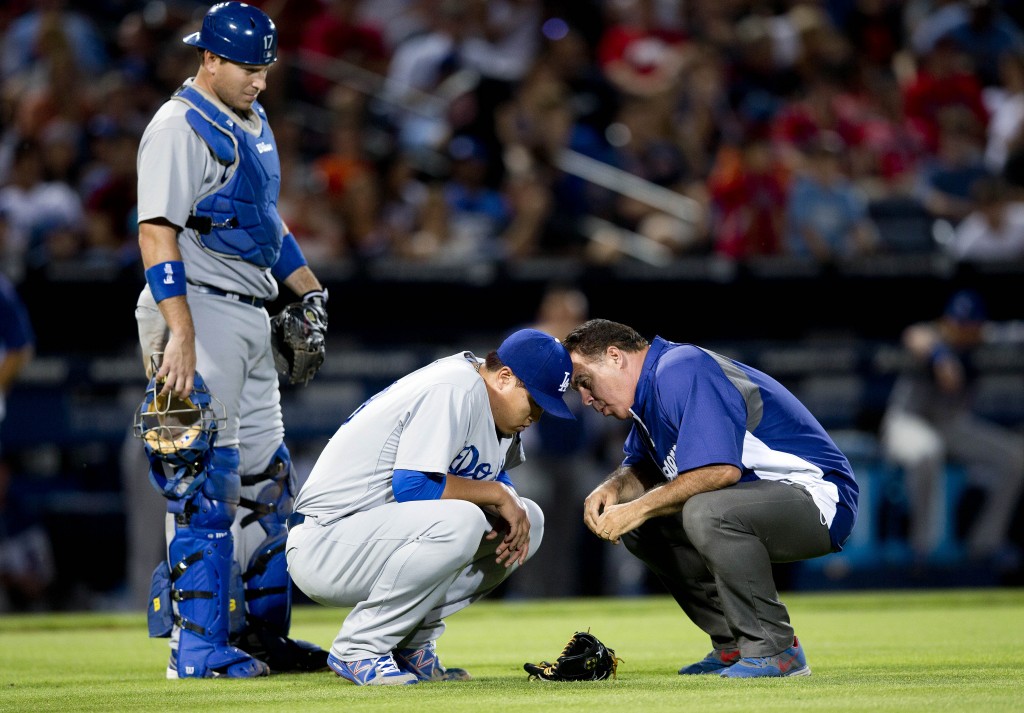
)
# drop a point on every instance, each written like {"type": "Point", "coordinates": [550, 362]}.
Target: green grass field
{"type": "Point", "coordinates": [880, 651]}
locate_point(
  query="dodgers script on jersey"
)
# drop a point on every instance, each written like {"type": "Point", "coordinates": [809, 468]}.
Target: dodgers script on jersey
{"type": "Point", "coordinates": [354, 472]}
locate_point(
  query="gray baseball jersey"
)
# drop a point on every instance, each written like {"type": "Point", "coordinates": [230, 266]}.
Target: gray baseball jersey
{"type": "Point", "coordinates": [176, 168]}
{"type": "Point", "coordinates": [436, 420]}
{"type": "Point", "coordinates": [404, 566]}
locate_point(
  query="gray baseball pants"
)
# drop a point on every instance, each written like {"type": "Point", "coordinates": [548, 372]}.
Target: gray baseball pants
{"type": "Point", "coordinates": [715, 558]}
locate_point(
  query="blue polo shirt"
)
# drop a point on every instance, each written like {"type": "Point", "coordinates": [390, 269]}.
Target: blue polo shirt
{"type": "Point", "coordinates": [695, 408]}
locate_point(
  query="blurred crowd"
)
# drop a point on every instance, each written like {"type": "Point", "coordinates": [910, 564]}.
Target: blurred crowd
{"type": "Point", "coordinates": [456, 131]}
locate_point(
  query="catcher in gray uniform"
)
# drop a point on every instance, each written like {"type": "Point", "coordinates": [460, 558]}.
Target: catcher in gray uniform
{"type": "Point", "coordinates": [214, 250]}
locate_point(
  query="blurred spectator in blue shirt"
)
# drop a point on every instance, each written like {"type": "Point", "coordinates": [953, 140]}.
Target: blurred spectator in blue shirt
{"type": "Point", "coordinates": [39, 212]}
{"type": "Point", "coordinates": [23, 42]}
{"type": "Point", "coordinates": [826, 214]}
{"type": "Point", "coordinates": [946, 180]}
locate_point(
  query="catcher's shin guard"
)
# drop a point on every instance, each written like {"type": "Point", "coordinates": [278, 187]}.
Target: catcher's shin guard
{"type": "Point", "coordinates": [268, 592]}
{"type": "Point", "coordinates": [201, 573]}
{"type": "Point", "coordinates": [267, 585]}
{"type": "Point", "coordinates": [268, 600]}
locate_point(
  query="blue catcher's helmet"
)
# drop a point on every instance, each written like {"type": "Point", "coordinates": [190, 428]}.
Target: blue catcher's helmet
{"type": "Point", "coordinates": [179, 432]}
{"type": "Point", "coordinates": [237, 32]}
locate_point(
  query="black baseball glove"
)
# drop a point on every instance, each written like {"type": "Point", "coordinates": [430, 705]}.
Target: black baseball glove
{"type": "Point", "coordinates": [584, 658]}
{"type": "Point", "coordinates": [298, 337]}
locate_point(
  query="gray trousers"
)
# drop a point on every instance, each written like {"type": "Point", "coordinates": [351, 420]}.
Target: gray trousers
{"type": "Point", "coordinates": [715, 558]}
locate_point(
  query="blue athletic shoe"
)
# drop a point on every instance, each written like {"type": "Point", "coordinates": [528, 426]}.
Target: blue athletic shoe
{"type": "Point", "coordinates": [791, 662]}
{"type": "Point", "coordinates": [712, 663]}
{"type": "Point", "coordinates": [379, 671]}
{"type": "Point", "coordinates": [426, 666]}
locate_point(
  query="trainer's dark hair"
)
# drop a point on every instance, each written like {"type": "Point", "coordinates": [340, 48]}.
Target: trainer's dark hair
{"type": "Point", "coordinates": [594, 336]}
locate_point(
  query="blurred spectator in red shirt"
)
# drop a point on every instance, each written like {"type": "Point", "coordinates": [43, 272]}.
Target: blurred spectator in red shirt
{"type": "Point", "coordinates": [875, 29]}
{"type": "Point", "coordinates": [748, 199]}
{"type": "Point", "coordinates": [944, 79]}
{"type": "Point", "coordinates": [639, 55]}
{"type": "Point", "coordinates": [336, 33]}
{"type": "Point", "coordinates": [825, 106]}
{"type": "Point", "coordinates": [891, 149]}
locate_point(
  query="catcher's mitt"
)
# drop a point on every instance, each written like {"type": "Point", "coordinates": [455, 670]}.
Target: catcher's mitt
{"type": "Point", "coordinates": [584, 658]}
{"type": "Point", "coordinates": [297, 335]}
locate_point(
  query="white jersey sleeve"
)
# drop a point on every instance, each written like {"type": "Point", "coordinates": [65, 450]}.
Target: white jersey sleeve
{"type": "Point", "coordinates": [436, 419]}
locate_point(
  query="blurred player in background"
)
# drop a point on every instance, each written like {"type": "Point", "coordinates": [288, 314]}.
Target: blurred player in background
{"type": "Point", "coordinates": [930, 420]}
{"type": "Point", "coordinates": [26, 555]}
{"type": "Point", "coordinates": [567, 459]}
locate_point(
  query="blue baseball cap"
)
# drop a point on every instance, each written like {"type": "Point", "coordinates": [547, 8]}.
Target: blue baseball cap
{"type": "Point", "coordinates": [543, 365]}
{"type": "Point", "coordinates": [966, 306]}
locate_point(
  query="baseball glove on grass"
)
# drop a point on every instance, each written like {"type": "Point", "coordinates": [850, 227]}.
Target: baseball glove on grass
{"type": "Point", "coordinates": [298, 338]}
{"type": "Point", "coordinates": [584, 658]}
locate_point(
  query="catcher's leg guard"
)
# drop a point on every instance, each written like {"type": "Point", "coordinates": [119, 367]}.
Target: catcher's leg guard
{"type": "Point", "coordinates": [201, 556]}
{"type": "Point", "coordinates": [160, 613]}
{"type": "Point", "coordinates": [268, 592]}
{"type": "Point", "coordinates": [267, 586]}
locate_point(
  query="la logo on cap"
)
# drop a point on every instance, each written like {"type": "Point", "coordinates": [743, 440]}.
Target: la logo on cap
{"type": "Point", "coordinates": [565, 383]}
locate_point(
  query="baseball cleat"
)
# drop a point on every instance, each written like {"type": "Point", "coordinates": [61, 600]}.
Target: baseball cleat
{"type": "Point", "coordinates": [791, 662]}
{"type": "Point", "coordinates": [379, 671]}
{"type": "Point", "coordinates": [426, 666]}
{"type": "Point", "coordinates": [282, 654]}
{"type": "Point", "coordinates": [712, 663]}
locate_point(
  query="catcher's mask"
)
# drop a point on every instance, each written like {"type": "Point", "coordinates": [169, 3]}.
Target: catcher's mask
{"type": "Point", "coordinates": [179, 431]}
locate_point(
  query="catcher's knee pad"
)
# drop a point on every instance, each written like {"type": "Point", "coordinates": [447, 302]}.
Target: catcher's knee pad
{"type": "Point", "coordinates": [223, 484]}
{"type": "Point", "coordinates": [272, 494]}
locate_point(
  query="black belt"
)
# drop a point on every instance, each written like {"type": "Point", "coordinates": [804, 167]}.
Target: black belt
{"type": "Point", "coordinates": [244, 299]}
{"type": "Point", "coordinates": [295, 519]}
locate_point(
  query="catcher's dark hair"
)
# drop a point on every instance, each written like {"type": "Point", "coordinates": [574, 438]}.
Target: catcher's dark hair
{"type": "Point", "coordinates": [594, 336]}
